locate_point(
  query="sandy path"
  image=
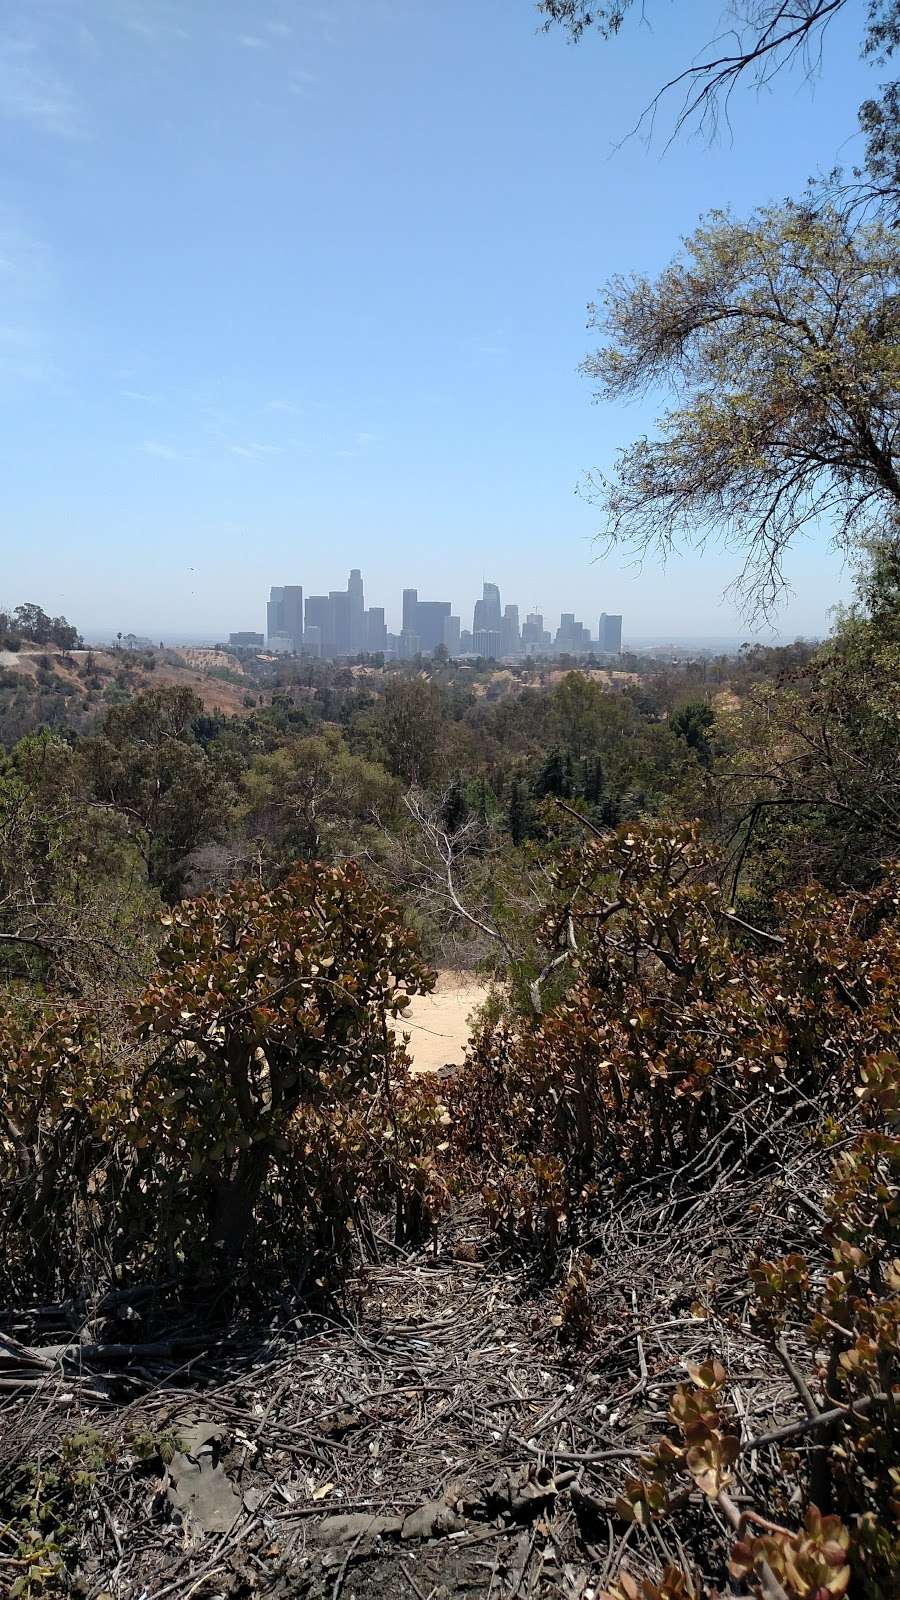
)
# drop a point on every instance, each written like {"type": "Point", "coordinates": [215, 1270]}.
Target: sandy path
{"type": "Point", "coordinates": [438, 1023]}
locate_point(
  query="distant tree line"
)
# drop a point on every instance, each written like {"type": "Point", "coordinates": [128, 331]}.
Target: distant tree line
{"type": "Point", "coordinates": [30, 623]}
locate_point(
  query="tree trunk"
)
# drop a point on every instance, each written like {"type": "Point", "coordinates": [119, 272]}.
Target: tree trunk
{"type": "Point", "coordinates": [233, 1201]}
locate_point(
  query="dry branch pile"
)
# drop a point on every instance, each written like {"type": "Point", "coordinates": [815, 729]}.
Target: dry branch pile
{"type": "Point", "coordinates": [443, 1436]}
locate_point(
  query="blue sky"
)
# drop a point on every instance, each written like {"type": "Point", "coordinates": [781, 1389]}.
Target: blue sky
{"type": "Point", "coordinates": [288, 287]}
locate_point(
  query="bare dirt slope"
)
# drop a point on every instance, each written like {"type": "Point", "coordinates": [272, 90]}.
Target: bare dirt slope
{"type": "Point", "coordinates": [196, 670]}
{"type": "Point", "coordinates": [438, 1023]}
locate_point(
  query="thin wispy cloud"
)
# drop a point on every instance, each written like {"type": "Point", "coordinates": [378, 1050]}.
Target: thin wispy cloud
{"type": "Point", "coordinates": [25, 268]}
{"type": "Point", "coordinates": [361, 444]}
{"type": "Point", "coordinates": [251, 41]}
{"type": "Point", "coordinates": [255, 452]}
{"type": "Point", "coordinates": [281, 30]}
{"type": "Point", "coordinates": [165, 452]}
{"type": "Point", "coordinates": [287, 407]}
{"type": "Point", "coordinates": [26, 285]}
{"type": "Point", "coordinates": [137, 394]}
{"type": "Point", "coordinates": [32, 91]}
{"type": "Point", "coordinates": [23, 355]}
{"type": "Point", "coordinates": [155, 23]}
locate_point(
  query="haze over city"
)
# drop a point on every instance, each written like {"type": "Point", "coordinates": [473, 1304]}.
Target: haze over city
{"type": "Point", "coordinates": [272, 303]}
{"type": "Point", "coordinates": [339, 624]}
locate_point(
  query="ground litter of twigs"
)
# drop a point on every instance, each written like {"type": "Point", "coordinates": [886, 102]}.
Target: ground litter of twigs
{"type": "Point", "coordinates": [433, 1439]}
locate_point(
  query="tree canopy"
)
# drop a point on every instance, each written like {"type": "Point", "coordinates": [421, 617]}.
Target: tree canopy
{"type": "Point", "coordinates": [777, 339]}
{"type": "Point", "coordinates": [31, 622]}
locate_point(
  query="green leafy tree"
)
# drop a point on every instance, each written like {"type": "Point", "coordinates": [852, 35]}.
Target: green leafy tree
{"type": "Point", "coordinates": [554, 777]}
{"type": "Point", "coordinates": [779, 338]}
{"type": "Point", "coordinates": [74, 903]}
{"type": "Point", "coordinates": [312, 799]}
{"type": "Point", "coordinates": [579, 711]}
{"type": "Point", "coordinates": [595, 782]}
{"type": "Point", "coordinates": [518, 812]}
{"type": "Point", "coordinates": [408, 725]}
{"type": "Point", "coordinates": [694, 722]}
{"type": "Point", "coordinates": [145, 767]}
{"type": "Point", "coordinates": [30, 622]}
{"type": "Point", "coordinates": [456, 807]}
{"type": "Point", "coordinates": [811, 787]}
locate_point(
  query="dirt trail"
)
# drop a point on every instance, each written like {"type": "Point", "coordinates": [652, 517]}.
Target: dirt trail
{"type": "Point", "coordinates": [438, 1023]}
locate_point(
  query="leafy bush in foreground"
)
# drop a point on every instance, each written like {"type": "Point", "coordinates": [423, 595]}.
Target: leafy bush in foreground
{"type": "Point", "coordinates": [237, 1114]}
{"type": "Point", "coordinates": [685, 1029]}
{"type": "Point", "coordinates": [678, 1018]}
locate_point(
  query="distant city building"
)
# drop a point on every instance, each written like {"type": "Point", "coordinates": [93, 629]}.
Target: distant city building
{"type": "Point", "coordinates": [275, 613]}
{"type": "Point", "coordinates": [357, 608]}
{"type": "Point", "coordinates": [284, 615]}
{"type": "Point", "coordinates": [425, 619]}
{"type": "Point", "coordinates": [342, 643]}
{"type": "Point", "coordinates": [488, 642]}
{"type": "Point", "coordinates": [572, 637]}
{"type": "Point", "coordinates": [451, 635]}
{"type": "Point", "coordinates": [487, 610]}
{"type": "Point", "coordinates": [293, 614]}
{"type": "Point", "coordinates": [609, 637]}
{"type": "Point", "coordinates": [246, 641]}
{"type": "Point", "coordinates": [376, 631]}
{"type": "Point", "coordinates": [533, 635]}
{"type": "Point", "coordinates": [430, 618]}
{"type": "Point", "coordinates": [410, 601]}
{"type": "Point", "coordinates": [338, 624]}
{"type": "Point", "coordinates": [510, 631]}
{"type": "Point", "coordinates": [318, 617]}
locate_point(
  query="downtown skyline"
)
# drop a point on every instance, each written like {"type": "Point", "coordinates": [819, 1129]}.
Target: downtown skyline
{"type": "Point", "coordinates": [340, 624]}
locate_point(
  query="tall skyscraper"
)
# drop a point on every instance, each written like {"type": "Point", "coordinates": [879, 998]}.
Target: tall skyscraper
{"type": "Point", "coordinates": [319, 616]}
{"type": "Point", "coordinates": [340, 614]}
{"type": "Point", "coordinates": [451, 634]}
{"type": "Point", "coordinates": [572, 636]}
{"type": "Point", "coordinates": [284, 617]}
{"type": "Point", "coordinates": [488, 642]}
{"type": "Point", "coordinates": [357, 611]}
{"type": "Point", "coordinates": [423, 621]}
{"type": "Point", "coordinates": [275, 614]}
{"type": "Point", "coordinates": [293, 614]}
{"type": "Point", "coordinates": [487, 610]}
{"type": "Point", "coordinates": [610, 635]}
{"type": "Point", "coordinates": [533, 630]}
{"type": "Point", "coordinates": [410, 601]}
{"type": "Point", "coordinates": [429, 625]}
{"type": "Point", "coordinates": [510, 630]}
{"type": "Point", "coordinates": [376, 631]}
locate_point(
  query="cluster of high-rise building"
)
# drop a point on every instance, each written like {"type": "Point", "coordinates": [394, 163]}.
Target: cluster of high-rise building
{"type": "Point", "coordinates": [340, 624]}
